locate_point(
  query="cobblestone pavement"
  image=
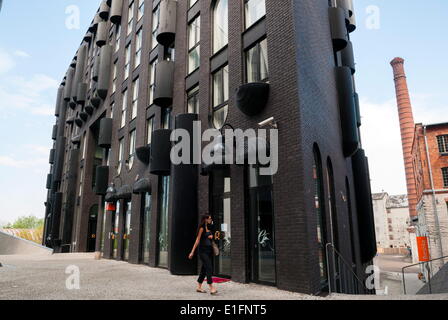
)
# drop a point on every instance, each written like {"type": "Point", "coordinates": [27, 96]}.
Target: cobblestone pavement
{"type": "Point", "coordinates": [44, 277]}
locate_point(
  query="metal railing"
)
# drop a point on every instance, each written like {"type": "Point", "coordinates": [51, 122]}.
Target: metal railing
{"type": "Point", "coordinates": [427, 264]}
{"type": "Point", "coordinates": [343, 274]}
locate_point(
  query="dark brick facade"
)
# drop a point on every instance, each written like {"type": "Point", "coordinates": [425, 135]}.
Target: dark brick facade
{"type": "Point", "coordinates": [303, 101]}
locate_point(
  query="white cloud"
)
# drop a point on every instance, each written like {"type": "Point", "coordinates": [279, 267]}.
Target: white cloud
{"type": "Point", "coordinates": [6, 62]}
{"type": "Point", "coordinates": [38, 149]}
{"type": "Point", "coordinates": [7, 161]}
{"type": "Point", "coordinates": [43, 110]}
{"type": "Point", "coordinates": [380, 133]}
{"type": "Point", "coordinates": [429, 109]}
{"type": "Point", "coordinates": [30, 95]}
{"type": "Point", "coordinates": [21, 54]}
{"type": "Point", "coordinates": [34, 86]}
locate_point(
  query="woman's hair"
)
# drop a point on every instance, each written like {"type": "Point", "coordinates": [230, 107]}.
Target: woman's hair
{"type": "Point", "coordinates": [204, 218]}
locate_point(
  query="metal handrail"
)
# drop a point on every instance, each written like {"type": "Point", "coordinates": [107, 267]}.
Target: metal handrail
{"type": "Point", "coordinates": [350, 267]}
{"type": "Point", "coordinates": [418, 264]}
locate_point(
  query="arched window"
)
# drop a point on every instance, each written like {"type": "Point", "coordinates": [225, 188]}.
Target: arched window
{"type": "Point", "coordinates": [332, 204]}
{"type": "Point", "coordinates": [334, 224]}
{"type": "Point", "coordinates": [319, 205]}
{"type": "Point", "coordinates": [220, 24]}
{"type": "Point", "coordinates": [351, 227]}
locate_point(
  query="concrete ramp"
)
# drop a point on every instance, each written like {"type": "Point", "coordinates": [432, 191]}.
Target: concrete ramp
{"type": "Point", "coordinates": [439, 283]}
{"type": "Point", "coordinates": [12, 245]}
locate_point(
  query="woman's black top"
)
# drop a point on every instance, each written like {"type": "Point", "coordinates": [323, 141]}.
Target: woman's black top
{"type": "Point", "coordinates": [205, 242]}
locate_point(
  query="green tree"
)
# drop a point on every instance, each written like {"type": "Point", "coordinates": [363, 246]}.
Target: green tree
{"type": "Point", "coordinates": [30, 222]}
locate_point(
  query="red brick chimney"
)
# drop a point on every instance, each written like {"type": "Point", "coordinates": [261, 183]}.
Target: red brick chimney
{"type": "Point", "coordinates": [407, 126]}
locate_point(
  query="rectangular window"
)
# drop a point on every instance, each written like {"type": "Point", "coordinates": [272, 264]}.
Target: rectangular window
{"type": "Point", "coordinates": [221, 86]}
{"type": "Point", "coordinates": [442, 142]}
{"type": "Point", "coordinates": [254, 11]}
{"type": "Point", "coordinates": [112, 109]}
{"type": "Point", "coordinates": [120, 155]}
{"type": "Point", "coordinates": [166, 118]}
{"type": "Point", "coordinates": [84, 146]}
{"type": "Point", "coordinates": [193, 100]}
{"type": "Point", "coordinates": [117, 38]}
{"type": "Point", "coordinates": [155, 25]}
{"type": "Point", "coordinates": [127, 65]}
{"type": "Point", "coordinates": [149, 130]}
{"type": "Point", "coordinates": [445, 177]}
{"type": "Point", "coordinates": [138, 48]}
{"type": "Point", "coordinates": [81, 174]}
{"type": "Point", "coordinates": [194, 33]}
{"type": "Point", "coordinates": [130, 17]}
{"type": "Point", "coordinates": [132, 137]}
{"type": "Point", "coordinates": [124, 106]}
{"type": "Point", "coordinates": [134, 109]}
{"type": "Point", "coordinates": [257, 69]}
{"type": "Point", "coordinates": [220, 81]}
{"type": "Point", "coordinates": [141, 9]}
{"type": "Point", "coordinates": [114, 78]}
{"type": "Point", "coordinates": [91, 75]}
{"type": "Point", "coordinates": [152, 80]}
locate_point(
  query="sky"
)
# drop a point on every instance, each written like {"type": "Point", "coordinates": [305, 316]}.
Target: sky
{"type": "Point", "coordinates": [38, 39]}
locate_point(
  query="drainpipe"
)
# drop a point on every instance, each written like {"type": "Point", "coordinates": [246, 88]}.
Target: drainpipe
{"type": "Point", "coordinates": [434, 201]}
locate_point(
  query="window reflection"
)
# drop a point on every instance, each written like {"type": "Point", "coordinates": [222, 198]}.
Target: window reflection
{"type": "Point", "coordinates": [254, 10]}
{"type": "Point", "coordinates": [163, 221]}
{"type": "Point", "coordinates": [257, 68]}
{"type": "Point", "coordinates": [220, 25]}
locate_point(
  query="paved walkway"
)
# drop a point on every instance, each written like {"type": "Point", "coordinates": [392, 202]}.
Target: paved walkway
{"type": "Point", "coordinates": [44, 277]}
{"type": "Point", "coordinates": [391, 277]}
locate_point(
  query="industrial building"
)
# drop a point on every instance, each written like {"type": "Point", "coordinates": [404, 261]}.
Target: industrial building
{"type": "Point", "coordinates": [425, 153]}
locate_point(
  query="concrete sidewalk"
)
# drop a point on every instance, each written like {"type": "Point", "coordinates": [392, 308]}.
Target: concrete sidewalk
{"type": "Point", "coordinates": [44, 278]}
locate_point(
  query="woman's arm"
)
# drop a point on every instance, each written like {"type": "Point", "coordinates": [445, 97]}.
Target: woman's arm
{"type": "Point", "coordinates": [196, 243]}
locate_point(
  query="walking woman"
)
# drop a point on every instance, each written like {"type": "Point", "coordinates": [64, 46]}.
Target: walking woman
{"type": "Point", "coordinates": [203, 242]}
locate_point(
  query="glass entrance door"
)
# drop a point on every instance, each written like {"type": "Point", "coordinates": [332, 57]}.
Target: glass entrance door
{"type": "Point", "coordinates": [146, 208]}
{"type": "Point", "coordinates": [103, 228]}
{"type": "Point", "coordinates": [115, 230]}
{"type": "Point", "coordinates": [163, 221]}
{"type": "Point", "coordinates": [127, 230]}
{"type": "Point", "coordinates": [220, 193]}
{"type": "Point", "coordinates": [261, 227]}
{"type": "Point", "coordinates": [91, 233]}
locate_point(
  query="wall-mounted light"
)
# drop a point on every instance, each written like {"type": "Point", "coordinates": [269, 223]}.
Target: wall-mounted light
{"type": "Point", "coordinates": [269, 122]}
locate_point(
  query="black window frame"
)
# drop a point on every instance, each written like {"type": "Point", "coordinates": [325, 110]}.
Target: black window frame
{"type": "Point", "coordinates": [193, 93]}
{"type": "Point", "coordinates": [247, 27]}
{"type": "Point", "coordinates": [246, 52]}
{"type": "Point", "coordinates": [197, 44]}
{"type": "Point", "coordinates": [224, 103]}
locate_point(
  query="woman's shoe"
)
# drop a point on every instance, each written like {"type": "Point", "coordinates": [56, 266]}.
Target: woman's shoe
{"type": "Point", "coordinates": [213, 292]}
{"type": "Point", "coordinates": [200, 290]}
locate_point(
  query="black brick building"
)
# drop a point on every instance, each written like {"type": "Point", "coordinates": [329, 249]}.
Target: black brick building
{"type": "Point", "coordinates": [146, 67]}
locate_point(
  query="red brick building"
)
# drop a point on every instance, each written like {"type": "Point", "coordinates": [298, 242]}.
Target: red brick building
{"type": "Point", "coordinates": [430, 164]}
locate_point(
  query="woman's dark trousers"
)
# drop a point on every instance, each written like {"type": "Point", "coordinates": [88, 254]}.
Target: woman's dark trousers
{"type": "Point", "coordinates": [206, 256]}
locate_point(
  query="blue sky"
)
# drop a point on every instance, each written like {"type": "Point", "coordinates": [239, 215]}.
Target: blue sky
{"type": "Point", "coordinates": [36, 48]}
